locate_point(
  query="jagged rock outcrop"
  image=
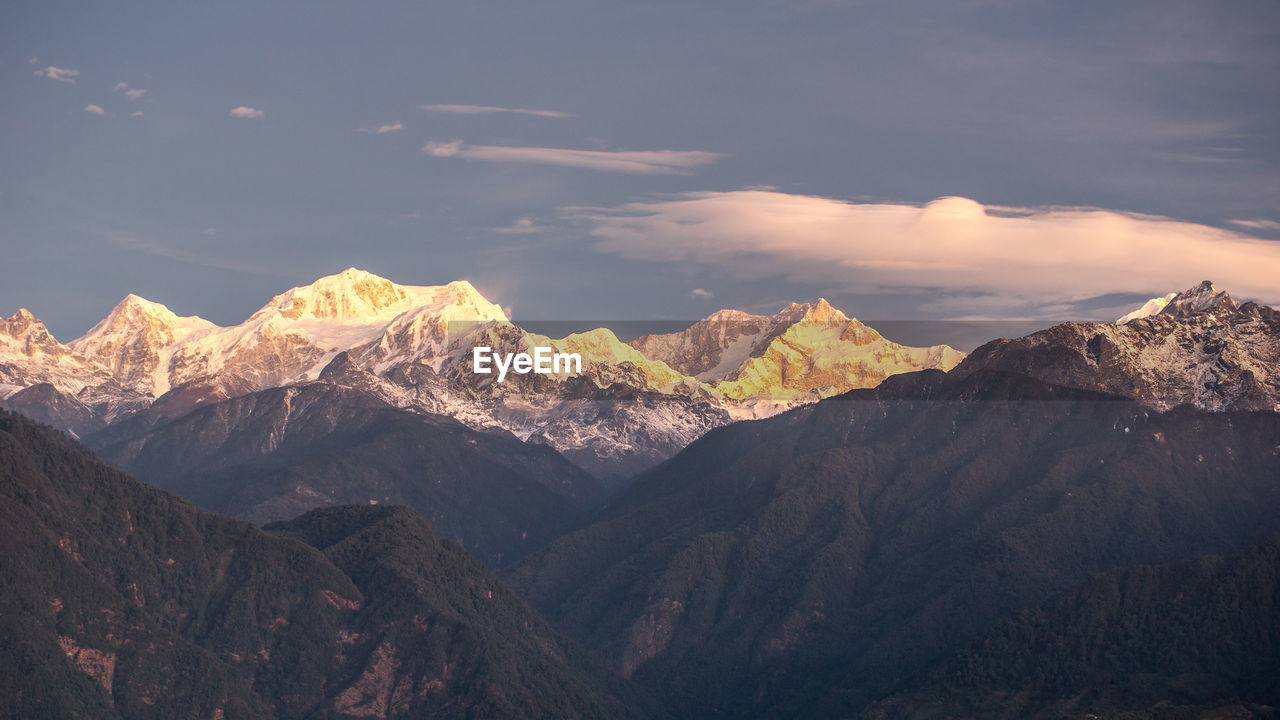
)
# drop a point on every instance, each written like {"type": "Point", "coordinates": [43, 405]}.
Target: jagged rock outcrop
{"type": "Point", "coordinates": [1202, 348]}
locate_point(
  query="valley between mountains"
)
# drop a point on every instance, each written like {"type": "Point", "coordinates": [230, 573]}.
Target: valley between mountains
{"type": "Point", "coordinates": [759, 516]}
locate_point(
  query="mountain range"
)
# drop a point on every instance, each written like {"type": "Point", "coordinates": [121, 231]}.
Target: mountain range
{"type": "Point", "coordinates": [632, 406]}
{"type": "Point", "coordinates": [812, 526]}
{"type": "Point", "coordinates": [807, 564]}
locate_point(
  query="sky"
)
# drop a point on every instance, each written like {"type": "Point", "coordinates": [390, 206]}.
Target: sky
{"type": "Point", "coordinates": [641, 161]}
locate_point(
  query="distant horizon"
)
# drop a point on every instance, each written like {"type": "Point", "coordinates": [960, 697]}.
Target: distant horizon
{"type": "Point", "coordinates": [964, 334]}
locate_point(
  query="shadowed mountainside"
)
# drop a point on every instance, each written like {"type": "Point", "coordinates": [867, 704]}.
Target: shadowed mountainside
{"type": "Point", "coordinates": [807, 564]}
{"type": "Point", "coordinates": [274, 454]}
{"type": "Point", "coordinates": [123, 601]}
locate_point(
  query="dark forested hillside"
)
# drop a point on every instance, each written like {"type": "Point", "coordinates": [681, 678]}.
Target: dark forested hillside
{"type": "Point", "coordinates": [1185, 636]}
{"type": "Point", "coordinates": [123, 601]}
{"type": "Point", "coordinates": [808, 564]}
{"type": "Point", "coordinates": [275, 454]}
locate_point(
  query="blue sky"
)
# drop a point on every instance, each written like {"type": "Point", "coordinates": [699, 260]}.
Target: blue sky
{"type": "Point", "coordinates": [587, 160]}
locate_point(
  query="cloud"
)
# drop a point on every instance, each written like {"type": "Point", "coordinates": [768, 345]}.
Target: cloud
{"type": "Point", "coordinates": [210, 232]}
{"type": "Point", "coordinates": [701, 294]}
{"type": "Point", "coordinates": [523, 226]}
{"type": "Point", "coordinates": [442, 149]}
{"type": "Point", "coordinates": [65, 75]}
{"type": "Point", "coordinates": [136, 113]}
{"type": "Point", "coordinates": [33, 60]}
{"type": "Point", "coordinates": [486, 109]}
{"type": "Point", "coordinates": [642, 162]}
{"type": "Point", "coordinates": [94, 110]}
{"type": "Point", "coordinates": [247, 113]}
{"type": "Point", "coordinates": [393, 127]}
{"type": "Point", "coordinates": [1270, 225]}
{"type": "Point", "coordinates": [135, 93]}
{"type": "Point", "coordinates": [120, 86]}
{"type": "Point", "coordinates": [968, 259]}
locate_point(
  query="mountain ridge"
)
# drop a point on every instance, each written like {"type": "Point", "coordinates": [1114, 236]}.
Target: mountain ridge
{"type": "Point", "coordinates": [124, 601]}
{"type": "Point", "coordinates": [1202, 348]}
{"type": "Point", "coordinates": [829, 552]}
{"type": "Point", "coordinates": [625, 412]}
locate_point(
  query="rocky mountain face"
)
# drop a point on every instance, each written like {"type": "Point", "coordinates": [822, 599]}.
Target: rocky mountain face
{"type": "Point", "coordinates": [1201, 348]}
{"type": "Point", "coordinates": [631, 406]}
{"type": "Point", "coordinates": [807, 564]}
{"type": "Point", "coordinates": [274, 454]}
{"type": "Point", "coordinates": [122, 601]}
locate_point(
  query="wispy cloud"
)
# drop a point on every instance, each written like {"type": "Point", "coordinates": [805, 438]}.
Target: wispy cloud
{"type": "Point", "coordinates": [442, 149]}
{"type": "Point", "coordinates": [396, 126]}
{"type": "Point", "coordinates": [65, 75]}
{"type": "Point", "coordinates": [1270, 225]}
{"type": "Point", "coordinates": [642, 162]}
{"type": "Point", "coordinates": [94, 110]}
{"type": "Point", "coordinates": [701, 294]}
{"type": "Point", "coordinates": [120, 86]}
{"type": "Point", "coordinates": [135, 93]}
{"type": "Point", "coordinates": [523, 226]}
{"type": "Point", "coordinates": [136, 113]}
{"type": "Point", "coordinates": [247, 113]}
{"type": "Point", "coordinates": [486, 109]}
{"type": "Point", "coordinates": [134, 243]}
{"type": "Point", "coordinates": [1009, 261]}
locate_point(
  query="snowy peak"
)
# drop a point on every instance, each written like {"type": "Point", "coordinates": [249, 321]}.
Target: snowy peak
{"type": "Point", "coordinates": [1151, 307]}
{"type": "Point", "coordinates": [1201, 347]}
{"type": "Point", "coordinates": [19, 321]}
{"type": "Point", "coordinates": [804, 352]}
{"type": "Point", "coordinates": [815, 351]}
{"type": "Point", "coordinates": [135, 341]}
{"type": "Point", "coordinates": [601, 346]}
{"type": "Point", "coordinates": [727, 315]}
{"type": "Point", "coordinates": [357, 297]}
{"type": "Point", "coordinates": [349, 296]}
{"type": "Point", "coordinates": [1203, 299]}
{"type": "Point", "coordinates": [30, 355]}
{"type": "Point", "coordinates": [135, 318]}
{"type": "Point", "coordinates": [24, 333]}
{"type": "Point", "coordinates": [818, 312]}
{"type": "Point", "coordinates": [710, 348]}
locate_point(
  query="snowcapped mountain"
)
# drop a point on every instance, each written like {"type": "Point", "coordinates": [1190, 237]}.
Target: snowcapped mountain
{"type": "Point", "coordinates": [143, 353]}
{"type": "Point", "coordinates": [136, 341]}
{"type": "Point", "coordinates": [622, 413]}
{"type": "Point", "coordinates": [1202, 348]}
{"type": "Point", "coordinates": [30, 355]}
{"type": "Point", "coordinates": [299, 331]}
{"type": "Point", "coordinates": [806, 352]}
{"type": "Point", "coordinates": [711, 348]}
{"type": "Point", "coordinates": [1149, 308]}
{"type": "Point", "coordinates": [51, 382]}
{"type": "Point", "coordinates": [631, 406]}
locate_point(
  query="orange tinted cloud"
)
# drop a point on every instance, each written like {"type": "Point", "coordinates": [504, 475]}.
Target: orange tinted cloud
{"type": "Point", "coordinates": [1044, 256]}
